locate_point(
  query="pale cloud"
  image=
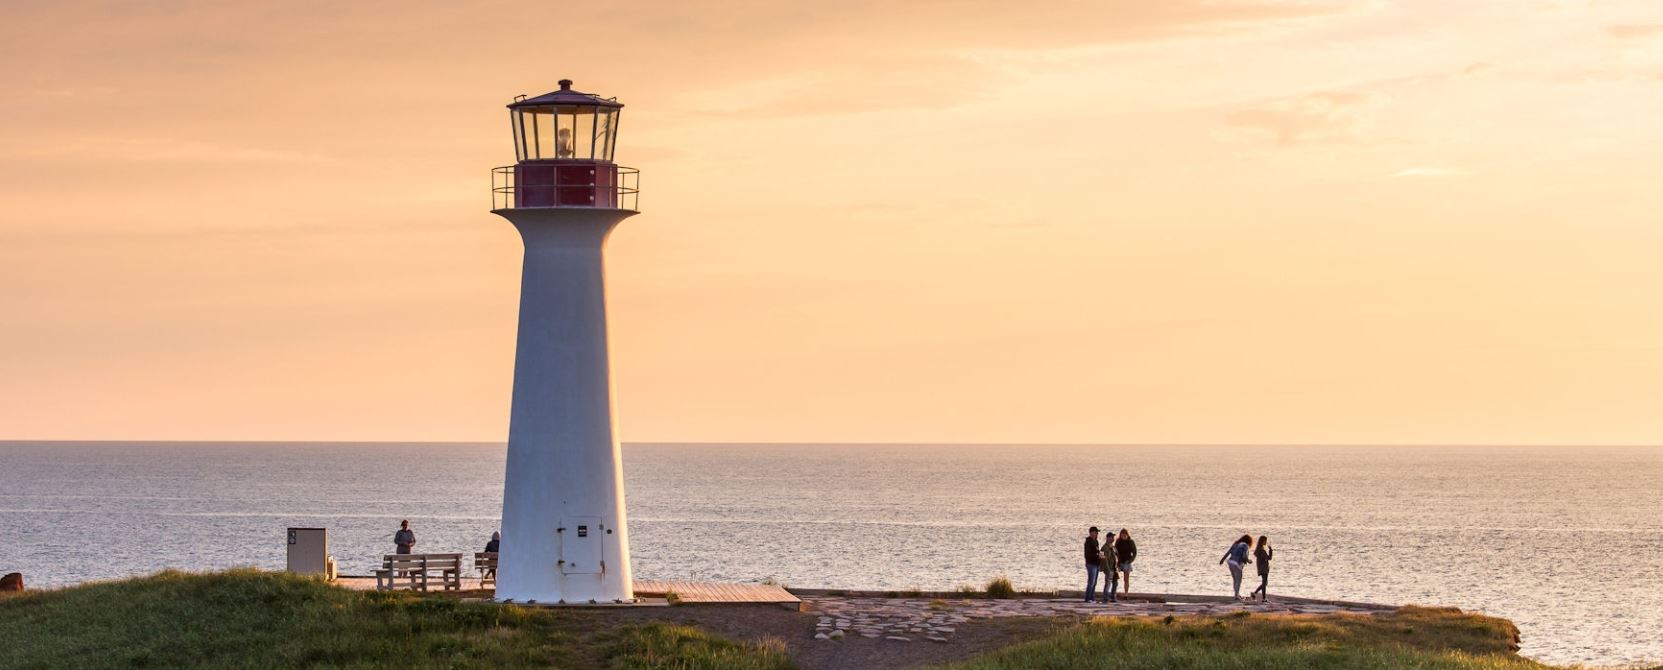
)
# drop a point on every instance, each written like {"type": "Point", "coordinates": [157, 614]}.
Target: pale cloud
{"type": "Point", "coordinates": [1429, 172]}
{"type": "Point", "coordinates": [1317, 118]}
{"type": "Point", "coordinates": [167, 150]}
{"type": "Point", "coordinates": [869, 56]}
{"type": "Point", "coordinates": [1477, 69]}
{"type": "Point", "coordinates": [855, 85]}
{"type": "Point", "coordinates": [1635, 31]}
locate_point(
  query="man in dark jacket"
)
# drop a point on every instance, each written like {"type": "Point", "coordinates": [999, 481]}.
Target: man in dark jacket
{"type": "Point", "coordinates": [1094, 563]}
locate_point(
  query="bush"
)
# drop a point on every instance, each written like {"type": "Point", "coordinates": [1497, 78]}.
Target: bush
{"type": "Point", "coordinates": [1000, 587]}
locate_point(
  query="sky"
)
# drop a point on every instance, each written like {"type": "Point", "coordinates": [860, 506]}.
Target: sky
{"type": "Point", "coordinates": [1114, 221]}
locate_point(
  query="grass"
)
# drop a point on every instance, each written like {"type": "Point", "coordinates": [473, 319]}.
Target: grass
{"type": "Point", "coordinates": [1000, 587]}
{"type": "Point", "coordinates": [661, 646]}
{"type": "Point", "coordinates": [1422, 638]}
{"type": "Point", "coordinates": [253, 619]}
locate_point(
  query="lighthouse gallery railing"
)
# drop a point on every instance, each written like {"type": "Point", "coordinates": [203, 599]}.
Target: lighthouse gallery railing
{"type": "Point", "coordinates": [506, 193]}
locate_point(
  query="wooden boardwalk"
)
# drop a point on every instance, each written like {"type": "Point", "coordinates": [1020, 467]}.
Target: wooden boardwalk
{"type": "Point", "coordinates": [711, 592]}
{"type": "Point", "coordinates": [687, 592]}
{"type": "Point", "coordinates": [367, 583]}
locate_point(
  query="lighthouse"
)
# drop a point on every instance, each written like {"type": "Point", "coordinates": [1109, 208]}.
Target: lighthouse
{"type": "Point", "coordinates": [565, 537]}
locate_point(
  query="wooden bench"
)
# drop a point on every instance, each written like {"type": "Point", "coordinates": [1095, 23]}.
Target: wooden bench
{"type": "Point", "coordinates": [485, 563]}
{"type": "Point", "coordinates": [414, 571]}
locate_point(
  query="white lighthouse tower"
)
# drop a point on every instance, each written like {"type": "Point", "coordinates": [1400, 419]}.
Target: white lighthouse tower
{"type": "Point", "coordinates": [564, 535]}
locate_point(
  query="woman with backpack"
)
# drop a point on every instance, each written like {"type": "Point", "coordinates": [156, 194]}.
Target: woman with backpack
{"type": "Point", "coordinates": [1111, 561]}
{"type": "Point", "coordinates": [1236, 556]}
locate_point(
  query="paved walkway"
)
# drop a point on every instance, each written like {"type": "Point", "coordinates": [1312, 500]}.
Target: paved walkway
{"type": "Point", "coordinates": [908, 619]}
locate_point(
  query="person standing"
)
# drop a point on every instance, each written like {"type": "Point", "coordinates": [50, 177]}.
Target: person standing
{"type": "Point", "coordinates": [1128, 552]}
{"type": "Point", "coordinates": [495, 544]}
{"type": "Point", "coordinates": [1236, 556]}
{"type": "Point", "coordinates": [1111, 561]}
{"type": "Point", "coordinates": [1261, 558]}
{"type": "Point", "coordinates": [1094, 562]}
{"type": "Point", "coordinates": [405, 538]}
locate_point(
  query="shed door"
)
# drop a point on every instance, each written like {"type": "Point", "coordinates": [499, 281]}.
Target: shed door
{"type": "Point", "coordinates": [581, 545]}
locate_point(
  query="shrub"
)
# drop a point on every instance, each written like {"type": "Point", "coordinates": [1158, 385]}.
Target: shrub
{"type": "Point", "coordinates": [1000, 587]}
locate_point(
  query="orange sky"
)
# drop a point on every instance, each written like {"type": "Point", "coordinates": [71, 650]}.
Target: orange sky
{"type": "Point", "coordinates": [1106, 221]}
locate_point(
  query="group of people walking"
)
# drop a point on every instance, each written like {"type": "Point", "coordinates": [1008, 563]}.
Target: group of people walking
{"type": "Point", "coordinates": [1112, 558]}
{"type": "Point", "coordinates": [1237, 556]}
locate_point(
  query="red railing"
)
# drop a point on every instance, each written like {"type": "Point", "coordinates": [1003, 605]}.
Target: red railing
{"type": "Point", "coordinates": [536, 185]}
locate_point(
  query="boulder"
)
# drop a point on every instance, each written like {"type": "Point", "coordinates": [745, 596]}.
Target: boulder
{"type": "Point", "coordinates": [12, 582]}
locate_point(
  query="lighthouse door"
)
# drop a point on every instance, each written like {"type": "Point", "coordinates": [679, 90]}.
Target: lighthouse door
{"type": "Point", "coordinates": [580, 545]}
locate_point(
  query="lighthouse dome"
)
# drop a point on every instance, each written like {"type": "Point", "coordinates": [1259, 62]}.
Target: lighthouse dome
{"type": "Point", "coordinates": [566, 96]}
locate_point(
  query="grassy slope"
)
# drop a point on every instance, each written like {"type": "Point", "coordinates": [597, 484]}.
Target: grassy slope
{"type": "Point", "coordinates": [1410, 638]}
{"type": "Point", "coordinates": [250, 619]}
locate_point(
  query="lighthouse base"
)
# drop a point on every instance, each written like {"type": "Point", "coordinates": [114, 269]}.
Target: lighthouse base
{"type": "Point", "coordinates": [572, 563]}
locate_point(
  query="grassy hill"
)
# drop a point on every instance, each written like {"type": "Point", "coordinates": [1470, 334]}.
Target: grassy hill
{"type": "Point", "coordinates": [252, 619]}
{"type": "Point", "coordinates": [1410, 638]}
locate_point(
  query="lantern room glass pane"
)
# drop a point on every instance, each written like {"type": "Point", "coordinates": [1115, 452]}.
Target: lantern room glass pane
{"type": "Point", "coordinates": [606, 133]}
{"type": "Point", "coordinates": [583, 133]}
{"type": "Point", "coordinates": [514, 118]}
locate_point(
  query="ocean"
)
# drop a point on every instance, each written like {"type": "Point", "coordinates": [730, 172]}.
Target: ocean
{"type": "Point", "coordinates": [1565, 541]}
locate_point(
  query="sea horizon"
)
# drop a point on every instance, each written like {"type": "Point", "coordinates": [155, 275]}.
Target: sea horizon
{"type": "Point", "coordinates": [787, 443]}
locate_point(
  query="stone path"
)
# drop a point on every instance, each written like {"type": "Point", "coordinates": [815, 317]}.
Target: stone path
{"type": "Point", "coordinates": [909, 619]}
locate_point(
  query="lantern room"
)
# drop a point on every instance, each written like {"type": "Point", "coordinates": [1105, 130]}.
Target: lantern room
{"type": "Point", "coordinates": [564, 142]}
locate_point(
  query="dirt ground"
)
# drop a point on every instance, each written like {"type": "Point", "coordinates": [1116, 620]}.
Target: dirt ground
{"type": "Point", "coordinates": [752, 622]}
{"type": "Point", "coordinates": [756, 621]}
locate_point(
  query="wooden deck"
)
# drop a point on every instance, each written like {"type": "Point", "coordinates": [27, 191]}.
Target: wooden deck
{"type": "Point", "coordinates": [687, 592]}
{"type": "Point", "coordinates": [367, 583]}
{"type": "Point", "coordinates": [710, 592]}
